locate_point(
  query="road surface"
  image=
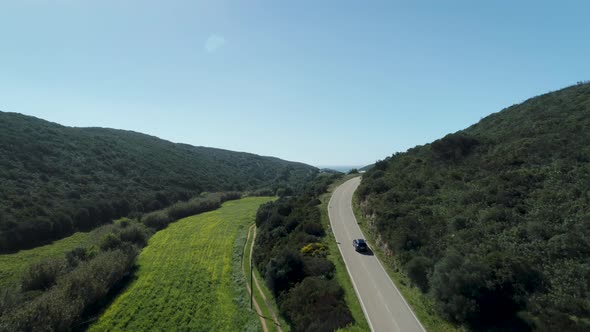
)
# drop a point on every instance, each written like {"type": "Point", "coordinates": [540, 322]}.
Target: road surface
{"type": "Point", "coordinates": [385, 308]}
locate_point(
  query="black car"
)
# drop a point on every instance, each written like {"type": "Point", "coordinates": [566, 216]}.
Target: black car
{"type": "Point", "coordinates": [360, 245]}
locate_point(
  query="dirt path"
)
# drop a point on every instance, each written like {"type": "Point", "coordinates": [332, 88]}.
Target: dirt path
{"type": "Point", "coordinates": [258, 311]}
{"type": "Point", "coordinates": [274, 316]}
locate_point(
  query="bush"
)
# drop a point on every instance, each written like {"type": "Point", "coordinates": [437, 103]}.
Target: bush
{"type": "Point", "coordinates": [263, 192]}
{"type": "Point", "coordinates": [283, 271]}
{"type": "Point", "coordinates": [110, 241]}
{"type": "Point", "coordinates": [229, 196]}
{"type": "Point", "coordinates": [192, 207]}
{"type": "Point", "coordinates": [319, 267]}
{"type": "Point", "coordinates": [43, 275]}
{"type": "Point", "coordinates": [77, 255]}
{"type": "Point", "coordinates": [181, 210]}
{"type": "Point", "coordinates": [157, 220]}
{"type": "Point", "coordinates": [123, 222]}
{"type": "Point", "coordinates": [315, 249]}
{"type": "Point", "coordinates": [136, 234]}
{"type": "Point", "coordinates": [324, 298]}
{"type": "Point", "coordinates": [313, 228]}
{"type": "Point", "coordinates": [203, 203]}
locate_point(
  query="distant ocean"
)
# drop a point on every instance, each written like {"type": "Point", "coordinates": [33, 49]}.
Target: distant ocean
{"type": "Point", "coordinates": [343, 169]}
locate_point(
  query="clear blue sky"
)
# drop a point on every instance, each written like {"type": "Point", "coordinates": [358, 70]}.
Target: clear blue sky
{"type": "Point", "coordinates": [322, 82]}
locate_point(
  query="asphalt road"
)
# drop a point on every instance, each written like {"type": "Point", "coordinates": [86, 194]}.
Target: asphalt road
{"type": "Point", "coordinates": [385, 308]}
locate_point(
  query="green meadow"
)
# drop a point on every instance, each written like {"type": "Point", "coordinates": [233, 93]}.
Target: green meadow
{"type": "Point", "coordinates": [189, 277]}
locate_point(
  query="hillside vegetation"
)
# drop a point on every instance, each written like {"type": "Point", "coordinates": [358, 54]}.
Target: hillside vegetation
{"type": "Point", "coordinates": [57, 180]}
{"type": "Point", "coordinates": [189, 277]}
{"type": "Point", "coordinates": [493, 221]}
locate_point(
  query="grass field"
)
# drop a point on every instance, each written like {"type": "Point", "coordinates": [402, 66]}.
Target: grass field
{"type": "Point", "coordinates": [341, 273]}
{"type": "Point", "coordinates": [14, 265]}
{"type": "Point", "coordinates": [189, 277]}
{"type": "Point", "coordinates": [422, 305]}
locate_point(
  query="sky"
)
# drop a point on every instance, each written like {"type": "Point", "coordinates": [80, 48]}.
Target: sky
{"type": "Point", "coordinates": [321, 82]}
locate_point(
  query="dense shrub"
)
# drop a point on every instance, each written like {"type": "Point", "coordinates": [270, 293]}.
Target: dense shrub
{"type": "Point", "coordinates": [135, 234]}
{"type": "Point", "coordinates": [192, 207]}
{"type": "Point", "coordinates": [318, 266]}
{"type": "Point", "coordinates": [316, 304]}
{"type": "Point", "coordinates": [262, 192]}
{"type": "Point", "coordinates": [229, 196]}
{"type": "Point", "coordinates": [110, 241]}
{"type": "Point", "coordinates": [77, 255]}
{"type": "Point", "coordinates": [313, 228]}
{"type": "Point", "coordinates": [284, 270]}
{"type": "Point", "coordinates": [157, 220]}
{"type": "Point", "coordinates": [42, 275]}
{"type": "Point", "coordinates": [290, 255]}
{"type": "Point", "coordinates": [205, 202]}
{"type": "Point", "coordinates": [315, 249]}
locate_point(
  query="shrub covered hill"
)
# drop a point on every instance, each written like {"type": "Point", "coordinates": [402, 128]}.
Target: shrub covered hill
{"type": "Point", "coordinates": [493, 222]}
{"type": "Point", "coordinates": [55, 180]}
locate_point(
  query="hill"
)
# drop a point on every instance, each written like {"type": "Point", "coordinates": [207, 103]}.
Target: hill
{"type": "Point", "coordinates": [55, 180]}
{"type": "Point", "coordinates": [366, 168]}
{"type": "Point", "coordinates": [493, 222]}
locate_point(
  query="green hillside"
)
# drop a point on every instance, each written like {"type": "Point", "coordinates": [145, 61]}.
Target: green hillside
{"type": "Point", "coordinates": [493, 222]}
{"type": "Point", "coordinates": [56, 180]}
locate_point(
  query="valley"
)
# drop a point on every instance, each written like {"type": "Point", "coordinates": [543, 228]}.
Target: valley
{"type": "Point", "coordinates": [483, 229]}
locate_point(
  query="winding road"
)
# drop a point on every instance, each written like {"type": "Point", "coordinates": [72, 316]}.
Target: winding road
{"type": "Point", "coordinates": [383, 304]}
